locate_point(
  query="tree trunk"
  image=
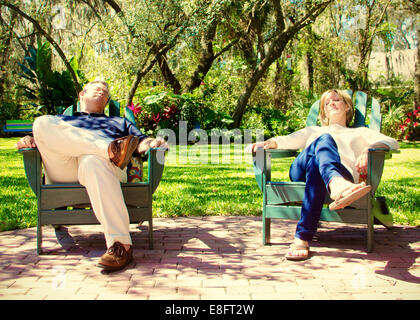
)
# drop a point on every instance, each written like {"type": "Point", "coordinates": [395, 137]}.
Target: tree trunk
{"type": "Point", "coordinates": [139, 76]}
{"type": "Point", "coordinates": [168, 75]}
{"type": "Point", "coordinates": [417, 75]}
{"type": "Point", "coordinates": [277, 86]}
{"type": "Point", "coordinates": [364, 49]}
{"type": "Point", "coordinates": [5, 52]}
{"type": "Point", "coordinates": [363, 74]}
{"type": "Point", "coordinates": [274, 52]}
{"type": "Point", "coordinates": [388, 66]}
{"type": "Point", "coordinates": [310, 66]}
{"type": "Point", "coordinates": [206, 58]}
{"type": "Point", "coordinates": [156, 51]}
{"type": "Point", "coordinates": [283, 79]}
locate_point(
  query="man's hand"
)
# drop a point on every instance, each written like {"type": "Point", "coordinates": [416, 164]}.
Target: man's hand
{"type": "Point", "coordinates": [268, 144]}
{"type": "Point", "coordinates": [159, 143]}
{"type": "Point", "coordinates": [148, 143]}
{"type": "Point", "coordinates": [26, 142]}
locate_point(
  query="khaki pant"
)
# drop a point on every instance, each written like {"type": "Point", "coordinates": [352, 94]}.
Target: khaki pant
{"type": "Point", "coordinates": [76, 155]}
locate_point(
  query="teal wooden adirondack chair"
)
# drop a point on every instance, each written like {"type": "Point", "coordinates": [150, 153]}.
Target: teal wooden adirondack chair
{"type": "Point", "coordinates": [68, 204]}
{"type": "Point", "coordinates": [281, 199]}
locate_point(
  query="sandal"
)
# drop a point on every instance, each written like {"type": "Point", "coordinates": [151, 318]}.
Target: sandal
{"type": "Point", "coordinates": [342, 202]}
{"type": "Point", "coordinates": [293, 247]}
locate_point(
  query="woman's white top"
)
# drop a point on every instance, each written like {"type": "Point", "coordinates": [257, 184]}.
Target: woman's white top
{"type": "Point", "coordinates": [351, 142]}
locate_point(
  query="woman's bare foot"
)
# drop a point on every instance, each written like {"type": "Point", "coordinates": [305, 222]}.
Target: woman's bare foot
{"type": "Point", "coordinates": [298, 250]}
{"type": "Point", "coordinates": [345, 192]}
{"type": "Point", "coordinates": [340, 187]}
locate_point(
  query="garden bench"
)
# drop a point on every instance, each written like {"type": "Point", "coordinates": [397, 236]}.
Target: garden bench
{"type": "Point", "coordinates": [69, 204]}
{"type": "Point", "coordinates": [282, 199]}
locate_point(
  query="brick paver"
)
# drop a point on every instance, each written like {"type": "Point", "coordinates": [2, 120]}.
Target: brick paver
{"type": "Point", "coordinates": [204, 258]}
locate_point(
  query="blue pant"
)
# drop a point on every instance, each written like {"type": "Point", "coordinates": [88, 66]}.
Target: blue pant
{"type": "Point", "coordinates": [316, 165]}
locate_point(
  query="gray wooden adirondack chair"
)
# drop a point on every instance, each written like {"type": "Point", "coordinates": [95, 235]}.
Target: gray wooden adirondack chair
{"type": "Point", "coordinates": [281, 199]}
{"type": "Point", "coordinates": [68, 204]}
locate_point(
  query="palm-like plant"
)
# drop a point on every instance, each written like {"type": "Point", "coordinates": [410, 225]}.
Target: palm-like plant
{"type": "Point", "coordinates": [49, 91]}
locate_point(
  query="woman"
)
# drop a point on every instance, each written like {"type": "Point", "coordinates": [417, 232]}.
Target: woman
{"type": "Point", "coordinates": [333, 158]}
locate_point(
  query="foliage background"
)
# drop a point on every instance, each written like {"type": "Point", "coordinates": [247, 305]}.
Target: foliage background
{"type": "Point", "coordinates": [208, 53]}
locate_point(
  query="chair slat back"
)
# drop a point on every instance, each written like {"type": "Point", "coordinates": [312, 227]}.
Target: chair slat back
{"type": "Point", "coordinates": [113, 110]}
{"type": "Point", "coordinates": [360, 101]}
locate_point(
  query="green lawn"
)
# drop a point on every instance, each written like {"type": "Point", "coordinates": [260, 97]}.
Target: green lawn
{"type": "Point", "coordinates": [223, 184]}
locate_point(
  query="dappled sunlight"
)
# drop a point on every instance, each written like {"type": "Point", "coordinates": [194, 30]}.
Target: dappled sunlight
{"type": "Point", "coordinates": [212, 258]}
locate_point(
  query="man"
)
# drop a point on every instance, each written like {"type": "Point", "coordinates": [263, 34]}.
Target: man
{"type": "Point", "coordinates": [94, 149]}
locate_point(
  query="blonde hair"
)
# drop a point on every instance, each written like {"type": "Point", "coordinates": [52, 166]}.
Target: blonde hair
{"type": "Point", "coordinates": [347, 100]}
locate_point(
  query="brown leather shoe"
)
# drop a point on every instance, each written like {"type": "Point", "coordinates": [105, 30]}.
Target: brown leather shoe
{"type": "Point", "coordinates": [120, 150]}
{"type": "Point", "coordinates": [116, 257]}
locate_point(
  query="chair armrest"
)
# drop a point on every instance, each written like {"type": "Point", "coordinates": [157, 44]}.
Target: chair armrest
{"type": "Point", "coordinates": [280, 153]}
{"type": "Point", "coordinates": [156, 163]}
{"type": "Point", "coordinates": [261, 161]}
{"type": "Point", "coordinates": [376, 163]}
{"type": "Point", "coordinates": [32, 165]}
{"type": "Point", "coordinates": [27, 150]}
{"type": "Point", "coordinates": [388, 152]}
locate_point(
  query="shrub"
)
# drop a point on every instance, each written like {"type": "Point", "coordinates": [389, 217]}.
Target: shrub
{"type": "Point", "coordinates": [162, 109]}
{"type": "Point", "coordinates": [276, 122]}
{"type": "Point", "coordinates": [410, 129]}
{"type": "Point", "coordinates": [396, 103]}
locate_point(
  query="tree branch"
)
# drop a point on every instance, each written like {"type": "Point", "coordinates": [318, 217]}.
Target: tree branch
{"type": "Point", "coordinates": [379, 22]}
{"type": "Point", "coordinates": [279, 14]}
{"type": "Point", "coordinates": [226, 48]}
{"type": "Point", "coordinates": [121, 14]}
{"type": "Point", "coordinates": [313, 12]}
{"type": "Point", "coordinates": [114, 5]}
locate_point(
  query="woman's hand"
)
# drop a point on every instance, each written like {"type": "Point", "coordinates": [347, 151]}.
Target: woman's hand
{"type": "Point", "coordinates": [268, 144]}
{"type": "Point", "coordinates": [362, 160]}
{"type": "Point", "coordinates": [26, 142]}
{"type": "Point", "coordinates": [361, 163]}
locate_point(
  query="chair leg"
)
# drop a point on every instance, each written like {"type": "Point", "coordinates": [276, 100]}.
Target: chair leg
{"type": "Point", "coordinates": [39, 238]}
{"type": "Point", "coordinates": [266, 230]}
{"type": "Point", "coordinates": [370, 240]}
{"type": "Point", "coordinates": [370, 227]}
{"type": "Point", "coordinates": [150, 234]}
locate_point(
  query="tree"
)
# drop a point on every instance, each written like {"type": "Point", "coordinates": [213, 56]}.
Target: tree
{"type": "Point", "coordinates": [7, 36]}
{"type": "Point", "coordinates": [230, 52]}
{"type": "Point", "coordinates": [207, 55]}
{"type": "Point", "coordinates": [183, 27]}
{"type": "Point", "coordinates": [416, 101]}
{"type": "Point", "coordinates": [414, 7]}
{"type": "Point", "coordinates": [374, 15]}
{"type": "Point", "coordinates": [155, 28]}
{"type": "Point", "coordinates": [288, 21]}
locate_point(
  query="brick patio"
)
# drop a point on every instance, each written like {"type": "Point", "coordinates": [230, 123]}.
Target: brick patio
{"type": "Point", "coordinates": [206, 258]}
